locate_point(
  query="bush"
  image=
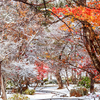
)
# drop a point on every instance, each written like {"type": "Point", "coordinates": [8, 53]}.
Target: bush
{"type": "Point", "coordinates": [10, 84]}
{"type": "Point", "coordinates": [85, 82]}
{"type": "Point", "coordinates": [73, 92]}
{"type": "Point", "coordinates": [78, 92]}
{"type": "Point", "coordinates": [85, 91]}
{"type": "Point", "coordinates": [18, 97]}
{"type": "Point", "coordinates": [45, 80]}
{"type": "Point", "coordinates": [64, 81]}
{"type": "Point", "coordinates": [29, 92]}
{"type": "Point", "coordinates": [52, 82]}
{"type": "Point", "coordinates": [69, 79]}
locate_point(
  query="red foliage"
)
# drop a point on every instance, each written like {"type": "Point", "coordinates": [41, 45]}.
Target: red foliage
{"type": "Point", "coordinates": [42, 69]}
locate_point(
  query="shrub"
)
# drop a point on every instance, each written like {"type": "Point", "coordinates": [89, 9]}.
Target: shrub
{"type": "Point", "coordinates": [69, 79]}
{"type": "Point", "coordinates": [53, 82]}
{"type": "Point", "coordinates": [96, 89]}
{"type": "Point", "coordinates": [18, 97]}
{"type": "Point", "coordinates": [78, 92]}
{"type": "Point", "coordinates": [73, 92]}
{"type": "Point", "coordinates": [85, 82]}
{"type": "Point", "coordinates": [10, 84]}
{"type": "Point", "coordinates": [85, 91]}
{"type": "Point", "coordinates": [45, 80]}
{"type": "Point", "coordinates": [29, 92]}
{"type": "Point", "coordinates": [64, 81]}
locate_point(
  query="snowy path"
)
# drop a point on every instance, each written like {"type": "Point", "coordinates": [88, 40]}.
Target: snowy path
{"type": "Point", "coordinates": [52, 93]}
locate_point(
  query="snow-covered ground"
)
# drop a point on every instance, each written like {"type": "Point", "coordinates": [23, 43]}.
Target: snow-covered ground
{"type": "Point", "coordinates": [51, 91]}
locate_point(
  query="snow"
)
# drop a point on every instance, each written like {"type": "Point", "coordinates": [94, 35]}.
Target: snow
{"type": "Point", "coordinates": [51, 91]}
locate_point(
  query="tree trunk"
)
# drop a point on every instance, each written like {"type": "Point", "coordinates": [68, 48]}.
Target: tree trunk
{"type": "Point", "coordinates": [60, 84]}
{"type": "Point", "coordinates": [91, 44]}
{"type": "Point", "coordinates": [67, 82]}
{"type": "Point", "coordinates": [75, 77]}
{"type": "Point", "coordinates": [92, 85]}
{"type": "Point", "coordinates": [3, 89]}
{"type": "Point", "coordinates": [86, 74]}
{"type": "Point", "coordinates": [82, 2]}
{"type": "Point", "coordinates": [80, 76]}
{"type": "Point", "coordinates": [20, 88]}
{"type": "Point", "coordinates": [50, 76]}
{"type": "Point", "coordinates": [67, 76]}
{"type": "Point", "coordinates": [72, 76]}
{"type": "Point", "coordinates": [0, 77]}
{"type": "Point", "coordinates": [42, 82]}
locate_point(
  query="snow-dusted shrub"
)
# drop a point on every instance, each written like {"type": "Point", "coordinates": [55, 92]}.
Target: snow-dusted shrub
{"type": "Point", "coordinates": [85, 91]}
{"type": "Point", "coordinates": [78, 92]}
{"type": "Point", "coordinates": [18, 97]}
{"type": "Point", "coordinates": [96, 89]}
{"type": "Point", "coordinates": [53, 81]}
{"type": "Point", "coordinates": [45, 80]}
{"type": "Point", "coordinates": [73, 92]}
{"type": "Point", "coordinates": [9, 84]}
{"type": "Point", "coordinates": [29, 92]}
{"type": "Point", "coordinates": [70, 80]}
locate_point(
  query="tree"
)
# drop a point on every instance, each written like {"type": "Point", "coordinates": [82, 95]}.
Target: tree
{"type": "Point", "coordinates": [17, 33]}
{"type": "Point", "coordinates": [87, 16]}
{"type": "Point", "coordinates": [87, 66]}
{"type": "Point", "coordinates": [90, 35]}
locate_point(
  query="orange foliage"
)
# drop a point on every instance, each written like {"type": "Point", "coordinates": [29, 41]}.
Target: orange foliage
{"type": "Point", "coordinates": [81, 13]}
